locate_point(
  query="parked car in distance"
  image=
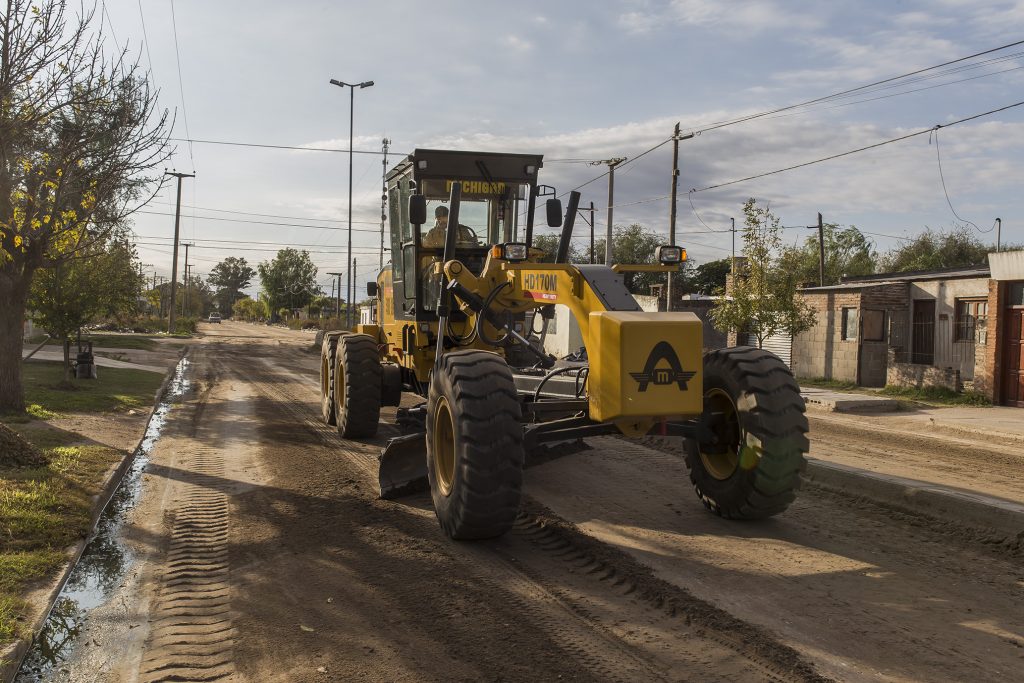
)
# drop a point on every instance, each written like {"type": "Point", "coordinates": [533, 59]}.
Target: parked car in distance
{"type": "Point", "coordinates": [215, 318]}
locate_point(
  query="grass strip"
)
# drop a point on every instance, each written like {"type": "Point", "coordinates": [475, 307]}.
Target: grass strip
{"type": "Point", "coordinates": [43, 511]}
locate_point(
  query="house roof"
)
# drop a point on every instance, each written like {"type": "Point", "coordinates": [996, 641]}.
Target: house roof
{"type": "Point", "coordinates": [916, 275]}
{"type": "Point", "coordinates": [863, 281]}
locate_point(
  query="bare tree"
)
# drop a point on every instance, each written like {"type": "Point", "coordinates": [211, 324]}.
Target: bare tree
{"type": "Point", "coordinates": [80, 137]}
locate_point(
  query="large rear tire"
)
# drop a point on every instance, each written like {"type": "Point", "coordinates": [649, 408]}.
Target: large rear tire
{"type": "Point", "coordinates": [474, 445]}
{"type": "Point", "coordinates": [357, 379]}
{"type": "Point", "coordinates": [753, 470]}
{"type": "Point", "coordinates": [328, 347]}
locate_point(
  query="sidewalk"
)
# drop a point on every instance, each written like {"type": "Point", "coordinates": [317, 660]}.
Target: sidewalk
{"type": "Point", "coordinates": [58, 355]}
{"type": "Point", "coordinates": [992, 421]}
{"type": "Point", "coordinates": [838, 401]}
{"type": "Point", "coordinates": [996, 421]}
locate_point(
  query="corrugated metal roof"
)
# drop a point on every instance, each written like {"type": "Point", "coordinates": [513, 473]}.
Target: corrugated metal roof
{"type": "Point", "coordinates": [864, 281]}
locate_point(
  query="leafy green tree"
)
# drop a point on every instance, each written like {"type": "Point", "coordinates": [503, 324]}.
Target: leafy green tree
{"type": "Point", "coordinates": [707, 278]}
{"type": "Point", "coordinates": [549, 245]}
{"type": "Point", "coordinates": [195, 298]}
{"type": "Point", "coordinates": [933, 250]}
{"type": "Point", "coordinates": [763, 300]}
{"type": "Point", "coordinates": [249, 310]}
{"type": "Point", "coordinates": [289, 280]}
{"type": "Point", "coordinates": [80, 138]}
{"type": "Point", "coordinates": [102, 281]}
{"type": "Point", "coordinates": [847, 252]}
{"type": "Point", "coordinates": [230, 277]}
{"type": "Point", "coordinates": [633, 244]}
{"type": "Point", "coordinates": [320, 305]}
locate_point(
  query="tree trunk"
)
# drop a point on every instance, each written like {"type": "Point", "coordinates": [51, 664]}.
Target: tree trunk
{"type": "Point", "coordinates": [12, 321]}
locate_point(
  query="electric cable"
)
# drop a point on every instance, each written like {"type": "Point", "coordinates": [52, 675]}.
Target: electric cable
{"type": "Point", "coordinates": [942, 178]}
{"type": "Point", "coordinates": [181, 86]}
{"type": "Point", "coordinates": [860, 149]}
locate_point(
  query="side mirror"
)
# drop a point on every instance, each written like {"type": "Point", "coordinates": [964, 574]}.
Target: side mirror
{"type": "Point", "coordinates": [554, 209]}
{"type": "Point", "coordinates": [371, 289]}
{"type": "Point", "coordinates": [417, 209]}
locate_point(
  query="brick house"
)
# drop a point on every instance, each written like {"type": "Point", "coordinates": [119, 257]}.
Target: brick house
{"type": "Point", "coordinates": [958, 328]}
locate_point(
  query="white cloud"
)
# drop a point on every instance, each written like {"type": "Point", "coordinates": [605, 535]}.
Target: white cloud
{"type": "Point", "coordinates": [518, 43]}
{"type": "Point", "coordinates": [747, 15]}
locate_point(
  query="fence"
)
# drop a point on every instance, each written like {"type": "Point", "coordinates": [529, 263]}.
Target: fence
{"type": "Point", "coordinates": [939, 343]}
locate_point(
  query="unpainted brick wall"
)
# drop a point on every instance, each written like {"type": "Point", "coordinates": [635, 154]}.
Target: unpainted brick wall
{"type": "Point", "coordinates": [821, 350]}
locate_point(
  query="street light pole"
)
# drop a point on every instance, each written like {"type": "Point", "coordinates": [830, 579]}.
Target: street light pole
{"type": "Point", "coordinates": [174, 264]}
{"type": "Point", "coordinates": [351, 130]}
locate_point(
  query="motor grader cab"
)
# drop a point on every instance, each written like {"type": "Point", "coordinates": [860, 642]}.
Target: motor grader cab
{"type": "Point", "coordinates": [462, 312]}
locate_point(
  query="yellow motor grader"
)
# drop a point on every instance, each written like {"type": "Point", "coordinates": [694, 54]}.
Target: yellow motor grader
{"type": "Point", "coordinates": [462, 312]}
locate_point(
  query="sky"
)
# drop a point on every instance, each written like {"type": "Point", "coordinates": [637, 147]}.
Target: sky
{"type": "Point", "coordinates": [580, 82]}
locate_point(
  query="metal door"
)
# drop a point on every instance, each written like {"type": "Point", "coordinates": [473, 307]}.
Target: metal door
{"type": "Point", "coordinates": [923, 339]}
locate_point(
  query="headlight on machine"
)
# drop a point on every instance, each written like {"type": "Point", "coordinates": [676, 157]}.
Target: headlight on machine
{"type": "Point", "coordinates": [670, 255]}
{"type": "Point", "coordinates": [514, 251]}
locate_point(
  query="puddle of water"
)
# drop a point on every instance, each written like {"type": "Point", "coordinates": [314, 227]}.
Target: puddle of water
{"type": "Point", "coordinates": [106, 559]}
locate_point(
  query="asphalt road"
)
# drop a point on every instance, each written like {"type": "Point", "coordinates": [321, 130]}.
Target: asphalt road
{"type": "Point", "coordinates": [262, 553]}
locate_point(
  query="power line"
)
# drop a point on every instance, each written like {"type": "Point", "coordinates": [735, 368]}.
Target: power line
{"type": "Point", "coordinates": [837, 95]}
{"type": "Point", "coordinates": [860, 149]}
{"type": "Point", "coordinates": [938, 158]}
{"type": "Point", "coordinates": [145, 38]}
{"type": "Point", "coordinates": [181, 87]}
{"type": "Point", "coordinates": [234, 248]}
{"type": "Point", "coordinates": [275, 215]}
{"type": "Point", "coordinates": [268, 146]}
{"type": "Point", "coordinates": [905, 92]}
{"type": "Point", "coordinates": [248, 222]}
{"type": "Point", "coordinates": [247, 242]}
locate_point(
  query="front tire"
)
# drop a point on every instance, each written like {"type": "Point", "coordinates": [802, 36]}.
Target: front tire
{"type": "Point", "coordinates": [474, 445]}
{"type": "Point", "coordinates": [753, 470]}
{"type": "Point", "coordinates": [328, 348]}
{"type": "Point", "coordinates": [357, 378]}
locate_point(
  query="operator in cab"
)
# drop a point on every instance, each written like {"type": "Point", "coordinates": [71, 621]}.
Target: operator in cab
{"type": "Point", "coordinates": [435, 238]}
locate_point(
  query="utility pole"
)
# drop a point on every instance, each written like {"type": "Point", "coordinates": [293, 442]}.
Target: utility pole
{"type": "Point", "coordinates": [184, 303]}
{"type": "Point", "coordinates": [611, 163]}
{"type": "Point", "coordinates": [354, 321]}
{"type": "Point", "coordinates": [184, 299]}
{"type": "Point", "coordinates": [337, 300]}
{"type": "Point", "coordinates": [174, 264]}
{"type": "Point", "coordinates": [591, 231]}
{"type": "Point", "coordinates": [821, 251]}
{"type": "Point", "coordinates": [383, 199]}
{"type": "Point", "coordinates": [676, 137]}
{"type": "Point", "coordinates": [999, 231]}
{"type": "Point", "coordinates": [732, 267]}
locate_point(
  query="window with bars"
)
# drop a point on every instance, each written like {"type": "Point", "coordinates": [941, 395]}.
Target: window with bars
{"type": "Point", "coordinates": [851, 324]}
{"type": "Point", "coordinates": [969, 314]}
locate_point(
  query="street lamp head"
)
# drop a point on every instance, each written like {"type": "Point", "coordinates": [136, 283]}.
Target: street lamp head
{"type": "Point", "coordinates": [366, 84]}
{"type": "Point", "coordinates": [340, 84]}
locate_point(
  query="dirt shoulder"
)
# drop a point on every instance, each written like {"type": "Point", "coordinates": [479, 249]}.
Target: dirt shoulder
{"type": "Point", "coordinates": [903, 446]}
{"type": "Point", "coordinates": [46, 512]}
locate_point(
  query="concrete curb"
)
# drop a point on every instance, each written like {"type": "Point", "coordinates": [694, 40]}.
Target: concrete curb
{"type": "Point", "coordinates": [844, 405]}
{"type": "Point", "coordinates": [12, 656]}
{"type": "Point", "coordinates": [1004, 518]}
{"type": "Point", "coordinates": [960, 428]}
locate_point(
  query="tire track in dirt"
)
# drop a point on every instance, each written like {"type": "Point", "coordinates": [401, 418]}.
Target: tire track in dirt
{"type": "Point", "coordinates": [191, 636]}
{"type": "Point", "coordinates": [682, 634]}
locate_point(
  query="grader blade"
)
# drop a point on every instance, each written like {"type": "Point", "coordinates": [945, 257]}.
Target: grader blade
{"type": "Point", "coordinates": [403, 466]}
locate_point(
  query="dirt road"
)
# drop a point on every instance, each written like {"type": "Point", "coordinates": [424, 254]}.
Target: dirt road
{"type": "Point", "coordinates": [262, 553]}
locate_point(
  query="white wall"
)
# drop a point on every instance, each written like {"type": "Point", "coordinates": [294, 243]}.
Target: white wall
{"type": "Point", "coordinates": [948, 354]}
{"type": "Point", "coordinates": [564, 335]}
